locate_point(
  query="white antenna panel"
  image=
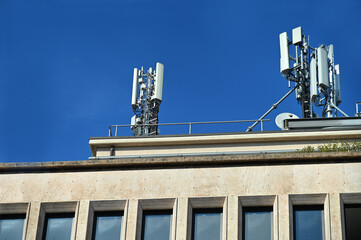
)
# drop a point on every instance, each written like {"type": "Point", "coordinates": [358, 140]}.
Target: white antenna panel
{"type": "Point", "coordinates": [158, 83]}
{"type": "Point", "coordinates": [296, 35]}
{"type": "Point", "coordinates": [322, 63]}
{"type": "Point", "coordinates": [313, 79]}
{"type": "Point", "coordinates": [337, 85]}
{"type": "Point", "coordinates": [285, 58]}
{"type": "Point", "coordinates": [135, 87]}
{"type": "Point", "coordinates": [330, 53]}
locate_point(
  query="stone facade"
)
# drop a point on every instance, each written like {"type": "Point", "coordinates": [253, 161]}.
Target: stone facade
{"type": "Point", "coordinates": [137, 174]}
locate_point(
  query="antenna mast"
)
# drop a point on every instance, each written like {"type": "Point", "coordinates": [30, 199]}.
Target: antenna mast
{"type": "Point", "coordinates": [316, 77]}
{"type": "Point", "coordinates": [146, 99]}
{"type": "Point", "coordinates": [315, 72]}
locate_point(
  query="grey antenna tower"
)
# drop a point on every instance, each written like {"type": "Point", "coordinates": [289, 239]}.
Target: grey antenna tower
{"type": "Point", "coordinates": [316, 77]}
{"type": "Point", "coordinates": [146, 99]}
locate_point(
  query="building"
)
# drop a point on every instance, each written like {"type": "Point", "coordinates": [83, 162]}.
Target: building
{"type": "Point", "coordinates": [211, 186]}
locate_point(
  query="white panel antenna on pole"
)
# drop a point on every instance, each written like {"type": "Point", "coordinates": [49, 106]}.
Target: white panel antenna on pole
{"type": "Point", "coordinates": [330, 53]}
{"type": "Point", "coordinates": [337, 85]}
{"type": "Point", "coordinates": [135, 87]}
{"type": "Point", "coordinates": [296, 35]}
{"type": "Point", "coordinates": [313, 79]}
{"type": "Point", "coordinates": [322, 62]}
{"type": "Point", "coordinates": [158, 83]}
{"type": "Point", "coordinates": [146, 99]}
{"type": "Point", "coordinates": [285, 59]}
{"type": "Point", "coordinates": [330, 57]}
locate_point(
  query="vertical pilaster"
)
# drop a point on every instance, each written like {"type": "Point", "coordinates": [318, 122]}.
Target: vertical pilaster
{"type": "Point", "coordinates": [335, 216]}
{"type": "Point", "coordinates": [233, 218]}
{"type": "Point", "coordinates": [33, 221]}
{"type": "Point", "coordinates": [183, 219]}
{"type": "Point", "coordinates": [83, 221]}
{"type": "Point", "coordinates": [131, 233]}
{"type": "Point", "coordinates": [285, 218]}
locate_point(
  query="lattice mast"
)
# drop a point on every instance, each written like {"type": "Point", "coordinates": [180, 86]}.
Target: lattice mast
{"type": "Point", "coordinates": [146, 99]}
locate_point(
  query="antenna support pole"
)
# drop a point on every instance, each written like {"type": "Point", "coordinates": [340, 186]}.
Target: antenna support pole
{"type": "Point", "coordinates": [274, 106]}
{"type": "Point", "coordinates": [315, 72]}
{"type": "Point", "coordinates": [338, 109]}
{"type": "Point", "coordinates": [146, 99]}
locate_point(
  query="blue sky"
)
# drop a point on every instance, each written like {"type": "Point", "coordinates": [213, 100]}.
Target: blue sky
{"type": "Point", "coordinates": [66, 65]}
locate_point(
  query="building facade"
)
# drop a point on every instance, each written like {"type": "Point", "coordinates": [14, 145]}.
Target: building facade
{"type": "Point", "coordinates": [182, 187]}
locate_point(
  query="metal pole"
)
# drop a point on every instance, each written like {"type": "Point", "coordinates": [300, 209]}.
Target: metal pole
{"type": "Point", "coordinates": [262, 125]}
{"type": "Point", "coordinates": [110, 131]}
{"type": "Point", "coordinates": [356, 109]}
{"type": "Point", "coordinates": [338, 109]}
{"type": "Point", "coordinates": [190, 128]}
{"type": "Point", "coordinates": [274, 106]}
{"type": "Point", "coordinates": [116, 131]}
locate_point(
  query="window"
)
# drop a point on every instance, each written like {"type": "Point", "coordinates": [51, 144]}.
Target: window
{"type": "Point", "coordinates": [352, 221]}
{"type": "Point", "coordinates": [11, 226]}
{"type": "Point", "coordinates": [13, 220]}
{"type": "Point", "coordinates": [106, 220]}
{"type": "Point", "coordinates": [207, 224]}
{"type": "Point", "coordinates": [156, 219]}
{"type": "Point", "coordinates": [257, 218]}
{"type": "Point", "coordinates": [257, 223]}
{"type": "Point", "coordinates": [58, 226]}
{"type": "Point", "coordinates": [308, 222]}
{"type": "Point", "coordinates": [107, 225]}
{"type": "Point", "coordinates": [156, 224]}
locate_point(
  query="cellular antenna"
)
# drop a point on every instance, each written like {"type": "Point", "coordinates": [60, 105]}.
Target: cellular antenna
{"type": "Point", "coordinates": [146, 98]}
{"type": "Point", "coordinates": [314, 73]}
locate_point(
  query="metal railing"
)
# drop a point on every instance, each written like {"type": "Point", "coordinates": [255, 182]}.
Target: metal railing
{"type": "Point", "coordinates": [358, 113]}
{"type": "Point", "coordinates": [190, 124]}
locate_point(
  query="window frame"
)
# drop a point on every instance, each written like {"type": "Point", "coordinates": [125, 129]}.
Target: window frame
{"type": "Point", "coordinates": [257, 209]}
{"type": "Point", "coordinates": [47, 208]}
{"type": "Point", "coordinates": [258, 201]}
{"type": "Point", "coordinates": [56, 215]}
{"type": "Point", "coordinates": [347, 199]}
{"type": "Point", "coordinates": [306, 208]}
{"type": "Point", "coordinates": [357, 205]}
{"type": "Point", "coordinates": [14, 216]}
{"type": "Point", "coordinates": [160, 204]}
{"type": "Point", "coordinates": [103, 206]}
{"type": "Point", "coordinates": [106, 214]}
{"type": "Point", "coordinates": [207, 203]}
{"type": "Point", "coordinates": [155, 213]}
{"type": "Point", "coordinates": [318, 199]}
{"type": "Point", "coordinates": [17, 209]}
{"type": "Point", "coordinates": [207, 210]}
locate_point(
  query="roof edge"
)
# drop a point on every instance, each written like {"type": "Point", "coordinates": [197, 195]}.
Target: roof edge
{"type": "Point", "coordinates": [180, 162]}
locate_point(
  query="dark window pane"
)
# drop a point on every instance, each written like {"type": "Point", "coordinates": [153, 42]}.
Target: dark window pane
{"type": "Point", "coordinates": [257, 223]}
{"type": "Point", "coordinates": [207, 224]}
{"type": "Point", "coordinates": [156, 225]}
{"type": "Point", "coordinates": [58, 226]}
{"type": "Point", "coordinates": [308, 223]}
{"type": "Point", "coordinates": [353, 221]}
{"type": "Point", "coordinates": [12, 226]}
{"type": "Point", "coordinates": [107, 225]}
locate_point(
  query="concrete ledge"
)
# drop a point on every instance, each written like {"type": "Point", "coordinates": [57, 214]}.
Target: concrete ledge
{"type": "Point", "coordinates": [182, 162]}
{"type": "Point", "coordinates": [232, 138]}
